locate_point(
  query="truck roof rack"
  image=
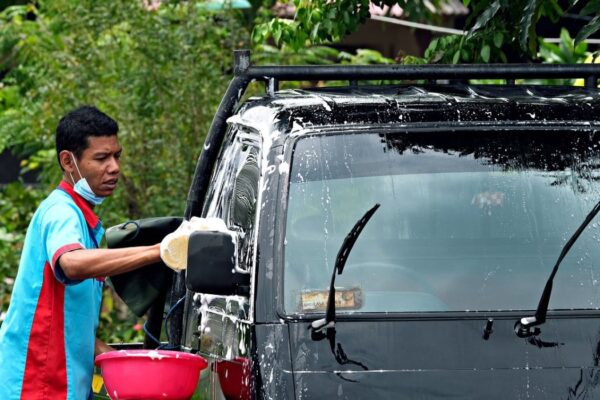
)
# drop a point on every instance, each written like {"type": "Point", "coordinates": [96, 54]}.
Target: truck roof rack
{"type": "Point", "coordinates": [510, 72]}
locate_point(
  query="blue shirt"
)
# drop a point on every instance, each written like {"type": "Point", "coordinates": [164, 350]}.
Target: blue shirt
{"type": "Point", "coordinates": [47, 339]}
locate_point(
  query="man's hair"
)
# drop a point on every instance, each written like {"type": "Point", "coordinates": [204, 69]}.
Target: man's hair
{"type": "Point", "coordinates": [77, 126]}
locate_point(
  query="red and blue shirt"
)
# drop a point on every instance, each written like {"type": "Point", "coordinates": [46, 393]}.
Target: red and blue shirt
{"type": "Point", "coordinates": [48, 336]}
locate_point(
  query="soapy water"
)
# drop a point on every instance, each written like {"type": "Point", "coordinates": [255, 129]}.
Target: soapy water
{"type": "Point", "coordinates": [223, 325]}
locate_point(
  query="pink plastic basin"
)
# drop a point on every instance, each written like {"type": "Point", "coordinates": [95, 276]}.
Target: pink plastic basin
{"type": "Point", "coordinates": [150, 374]}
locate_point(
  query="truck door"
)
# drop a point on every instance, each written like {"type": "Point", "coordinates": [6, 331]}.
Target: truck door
{"type": "Point", "coordinates": [217, 326]}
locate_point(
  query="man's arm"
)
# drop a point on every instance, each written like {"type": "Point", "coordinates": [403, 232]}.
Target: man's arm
{"type": "Point", "coordinates": [98, 263]}
{"type": "Point", "coordinates": [101, 347]}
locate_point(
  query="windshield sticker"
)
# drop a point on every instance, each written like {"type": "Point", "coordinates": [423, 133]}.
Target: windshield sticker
{"type": "Point", "coordinates": [345, 299]}
{"type": "Point", "coordinates": [488, 199]}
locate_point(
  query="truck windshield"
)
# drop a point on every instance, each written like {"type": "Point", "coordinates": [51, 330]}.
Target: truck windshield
{"type": "Point", "coordinates": [469, 221]}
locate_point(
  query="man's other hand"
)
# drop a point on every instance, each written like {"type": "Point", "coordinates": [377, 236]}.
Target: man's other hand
{"type": "Point", "coordinates": [101, 347]}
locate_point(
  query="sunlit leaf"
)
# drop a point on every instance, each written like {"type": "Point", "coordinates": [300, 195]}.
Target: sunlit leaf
{"type": "Point", "coordinates": [581, 48]}
{"type": "Point", "coordinates": [456, 57]}
{"type": "Point", "coordinates": [315, 31]}
{"type": "Point", "coordinates": [485, 53]}
{"type": "Point", "coordinates": [498, 39]}
{"type": "Point", "coordinates": [277, 32]}
{"type": "Point", "coordinates": [566, 45]}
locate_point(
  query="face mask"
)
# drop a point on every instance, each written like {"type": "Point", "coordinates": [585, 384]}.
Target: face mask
{"type": "Point", "coordinates": [82, 187]}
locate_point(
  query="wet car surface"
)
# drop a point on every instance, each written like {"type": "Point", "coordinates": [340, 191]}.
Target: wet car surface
{"type": "Point", "coordinates": [315, 144]}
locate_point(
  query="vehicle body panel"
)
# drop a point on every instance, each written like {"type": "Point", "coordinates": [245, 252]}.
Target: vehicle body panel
{"type": "Point", "coordinates": [405, 355]}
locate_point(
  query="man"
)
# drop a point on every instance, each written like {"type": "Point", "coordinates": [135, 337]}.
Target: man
{"type": "Point", "coordinates": [48, 338]}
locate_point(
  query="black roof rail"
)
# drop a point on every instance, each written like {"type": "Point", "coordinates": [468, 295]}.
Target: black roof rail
{"type": "Point", "coordinates": [244, 73]}
{"type": "Point", "coordinates": [243, 67]}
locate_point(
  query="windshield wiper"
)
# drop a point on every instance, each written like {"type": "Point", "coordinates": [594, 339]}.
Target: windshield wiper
{"type": "Point", "coordinates": [340, 262]}
{"type": "Point", "coordinates": [527, 326]}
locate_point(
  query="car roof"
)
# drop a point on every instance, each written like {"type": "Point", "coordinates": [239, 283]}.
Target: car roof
{"type": "Point", "coordinates": [443, 105]}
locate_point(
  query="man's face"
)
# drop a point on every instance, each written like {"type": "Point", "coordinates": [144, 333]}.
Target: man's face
{"type": "Point", "coordinates": [99, 164]}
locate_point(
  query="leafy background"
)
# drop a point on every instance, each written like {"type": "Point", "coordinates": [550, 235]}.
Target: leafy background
{"type": "Point", "coordinates": [160, 68]}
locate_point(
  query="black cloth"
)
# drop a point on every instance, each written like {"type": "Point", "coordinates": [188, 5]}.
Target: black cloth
{"type": "Point", "coordinates": [141, 287]}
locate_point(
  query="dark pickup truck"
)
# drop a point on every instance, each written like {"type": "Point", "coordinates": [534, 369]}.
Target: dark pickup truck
{"type": "Point", "coordinates": [396, 241]}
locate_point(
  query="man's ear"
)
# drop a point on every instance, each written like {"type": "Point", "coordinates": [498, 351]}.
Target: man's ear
{"type": "Point", "coordinates": [66, 161]}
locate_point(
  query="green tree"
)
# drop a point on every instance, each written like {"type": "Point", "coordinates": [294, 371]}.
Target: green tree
{"type": "Point", "coordinates": [325, 21]}
{"type": "Point", "coordinates": [497, 30]}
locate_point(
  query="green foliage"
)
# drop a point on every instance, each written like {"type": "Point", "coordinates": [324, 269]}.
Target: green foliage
{"type": "Point", "coordinates": [323, 21]}
{"type": "Point", "coordinates": [498, 31]}
{"type": "Point", "coordinates": [159, 73]}
{"type": "Point", "coordinates": [265, 54]}
{"type": "Point", "coordinates": [121, 326]}
{"type": "Point", "coordinates": [592, 8]}
{"type": "Point", "coordinates": [565, 52]}
{"type": "Point", "coordinates": [162, 90]}
{"type": "Point", "coordinates": [314, 22]}
{"type": "Point", "coordinates": [364, 57]}
{"type": "Point", "coordinates": [17, 203]}
{"type": "Point", "coordinates": [315, 55]}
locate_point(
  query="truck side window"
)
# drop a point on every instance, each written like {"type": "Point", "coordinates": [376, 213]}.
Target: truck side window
{"type": "Point", "coordinates": [234, 189]}
{"type": "Point", "coordinates": [245, 192]}
{"type": "Point", "coordinates": [232, 197]}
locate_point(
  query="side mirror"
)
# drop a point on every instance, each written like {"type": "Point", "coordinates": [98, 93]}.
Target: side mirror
{"type": "Point", "coordinates": [211, 265]}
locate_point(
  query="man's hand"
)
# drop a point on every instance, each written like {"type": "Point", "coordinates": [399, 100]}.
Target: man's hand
{"type": "Point", "coordinates": [101, 347]}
